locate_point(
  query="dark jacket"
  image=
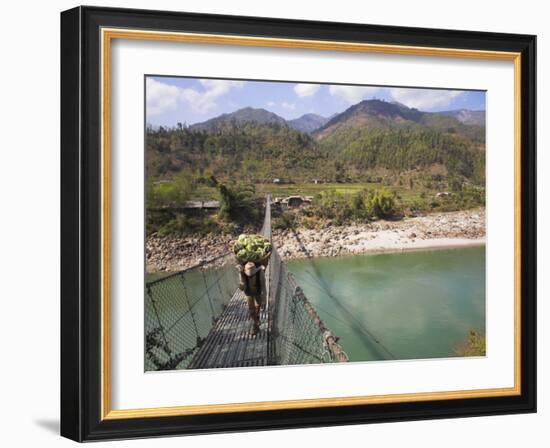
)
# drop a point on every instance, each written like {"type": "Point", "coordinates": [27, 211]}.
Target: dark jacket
{"type": "Point", "coordinates": [254, 286]}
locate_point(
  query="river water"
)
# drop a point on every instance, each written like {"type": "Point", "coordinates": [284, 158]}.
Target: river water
{"type": "Point", "coordinates": [398, 305]}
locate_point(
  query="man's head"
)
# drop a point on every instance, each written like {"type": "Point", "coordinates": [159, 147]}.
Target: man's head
{"type": "Point", "coordinates": [250, 269]}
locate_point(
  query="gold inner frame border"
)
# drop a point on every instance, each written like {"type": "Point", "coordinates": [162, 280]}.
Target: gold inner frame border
{"type": "Point", "coordinates": [107, 36]}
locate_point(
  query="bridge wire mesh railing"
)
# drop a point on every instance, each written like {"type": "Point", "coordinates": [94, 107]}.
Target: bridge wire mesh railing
{"type": "Point", "coordinates": [182, 308]}
{"type": "Point", "coordinates": [297, 335]}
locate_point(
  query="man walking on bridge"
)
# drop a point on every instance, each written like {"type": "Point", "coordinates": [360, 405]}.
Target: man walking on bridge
{"type": "Point", "coordinates": [252, 283]}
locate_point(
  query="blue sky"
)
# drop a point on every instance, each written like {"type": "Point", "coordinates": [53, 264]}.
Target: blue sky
{"type": "Point", "coordinates": [191, 100]}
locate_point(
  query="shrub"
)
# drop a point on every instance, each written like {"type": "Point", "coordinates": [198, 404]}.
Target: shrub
{"type": "Point", "coordinates": [359, 204]}
{"type": "Point", "coordinates": [344, 208]}
{"type": "Point", "coordinates": [177, 225]}
{"type": "Point", "coordinates": [311, 222]}
{"type": "Point", "coordinates": [474, 345]}
{"type": "Point", "coordinates": [286, 220]}
{"type": "Point", "coordinates": [382, 203]}
{"type": "Point", "coordinates": [181, 224]}
{"type": "Point", "coordinates": [333, 206]}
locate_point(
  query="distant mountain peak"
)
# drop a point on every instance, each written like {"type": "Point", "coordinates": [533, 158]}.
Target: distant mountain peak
{"type": "Point", "coordinates": [244, 115]}
{"type": "Point", "coordinates": [371, 113]}
{"type": "Point", "coordinates": [312, 116]}
{"type": "Point", "coordinates": [375, 113]}
{"type": "Point", "coordinates": [308, 122]}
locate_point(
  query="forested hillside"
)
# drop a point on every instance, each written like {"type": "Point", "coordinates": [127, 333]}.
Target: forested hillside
{"type": "Point", "coordinates": [257, 146]}
{"type": "Point", "coordinates": [250, 151]}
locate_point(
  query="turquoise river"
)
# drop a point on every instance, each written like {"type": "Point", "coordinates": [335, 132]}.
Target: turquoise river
{"type": "Point", "coordinates": [398, 305]}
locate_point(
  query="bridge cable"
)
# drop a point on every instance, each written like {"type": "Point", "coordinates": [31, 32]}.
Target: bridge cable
{"type": "Point", "coordinates": [358, 323]}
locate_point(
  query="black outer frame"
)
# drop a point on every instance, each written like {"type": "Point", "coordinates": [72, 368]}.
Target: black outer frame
{"type": "Point", "coordinates": [80, 223]}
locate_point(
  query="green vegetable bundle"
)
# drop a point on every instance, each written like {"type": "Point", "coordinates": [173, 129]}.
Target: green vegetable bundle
{"type": "Point", "coordinates": [254, 248]}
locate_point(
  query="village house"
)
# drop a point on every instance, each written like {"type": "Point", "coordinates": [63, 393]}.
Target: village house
{"type": "Point", "coordinates": [295, 201]}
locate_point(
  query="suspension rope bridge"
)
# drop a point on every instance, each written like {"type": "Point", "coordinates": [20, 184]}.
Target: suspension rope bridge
{"type": "Point", "coordinates": [199, 318]}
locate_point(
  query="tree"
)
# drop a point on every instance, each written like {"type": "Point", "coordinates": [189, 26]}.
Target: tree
{"type": "Point", "coordinates": [382, 203]}
{"type": "Point", "coordinates": [455, 184]}
{"type": "Point", "coordinates": [238, 203]}
{"type": "Point", "coordinates": [339, 174]}
{"type": "Point", "coordinates": [170, 193]}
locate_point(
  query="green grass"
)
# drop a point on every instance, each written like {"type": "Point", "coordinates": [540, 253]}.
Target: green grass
{"type": "Point", "coordinates": [310, 189]}
{"type": "Point", "coordinates": [204, 192]}
{"type": "Point", "coordinates": [406, 195]}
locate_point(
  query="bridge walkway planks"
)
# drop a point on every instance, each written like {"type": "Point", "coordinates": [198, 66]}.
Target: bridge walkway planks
{"type": "Point", "coordinates": [231, 343]}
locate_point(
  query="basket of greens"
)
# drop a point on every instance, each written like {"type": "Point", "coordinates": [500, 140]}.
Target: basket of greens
{"type": "Point", "coordinates": [254, 248]}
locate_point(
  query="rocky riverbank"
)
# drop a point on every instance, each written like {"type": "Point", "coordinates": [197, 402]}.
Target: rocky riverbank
{"type": "Point", "coordinates": [178, 253]}
{"type": "Point", "coordinates": [438, 230]}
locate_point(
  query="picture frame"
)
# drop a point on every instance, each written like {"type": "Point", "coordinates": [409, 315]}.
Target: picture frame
{"type": "Point", "coordinates": [86, 37]}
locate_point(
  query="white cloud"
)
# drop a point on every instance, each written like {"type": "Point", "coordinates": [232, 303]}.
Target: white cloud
{"type": "Point", "coordinates": [289, 106]}
{"type": "Point", "coordinates": [163, 97]}
{"type": "Point", "coordinates": [160, 97]}
{"type": "Point", "coordinates": [306, 89]}
{"type": "Point", "coordinates": [353, 94]}
{"type": "Point", "coordinates": [205, 101]}
{"type": "Point", "coordinates": [270, 103]}
{"type": "Point", "coordinates": [424, 99]}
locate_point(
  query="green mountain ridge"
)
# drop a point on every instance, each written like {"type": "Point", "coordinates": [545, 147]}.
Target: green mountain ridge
{"type": "Point", "coordinates": [244, 115]}
{"type": "Point", "coordinates": [255, 145]}
{"type": "Point", "coordinates": [369, 114]}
